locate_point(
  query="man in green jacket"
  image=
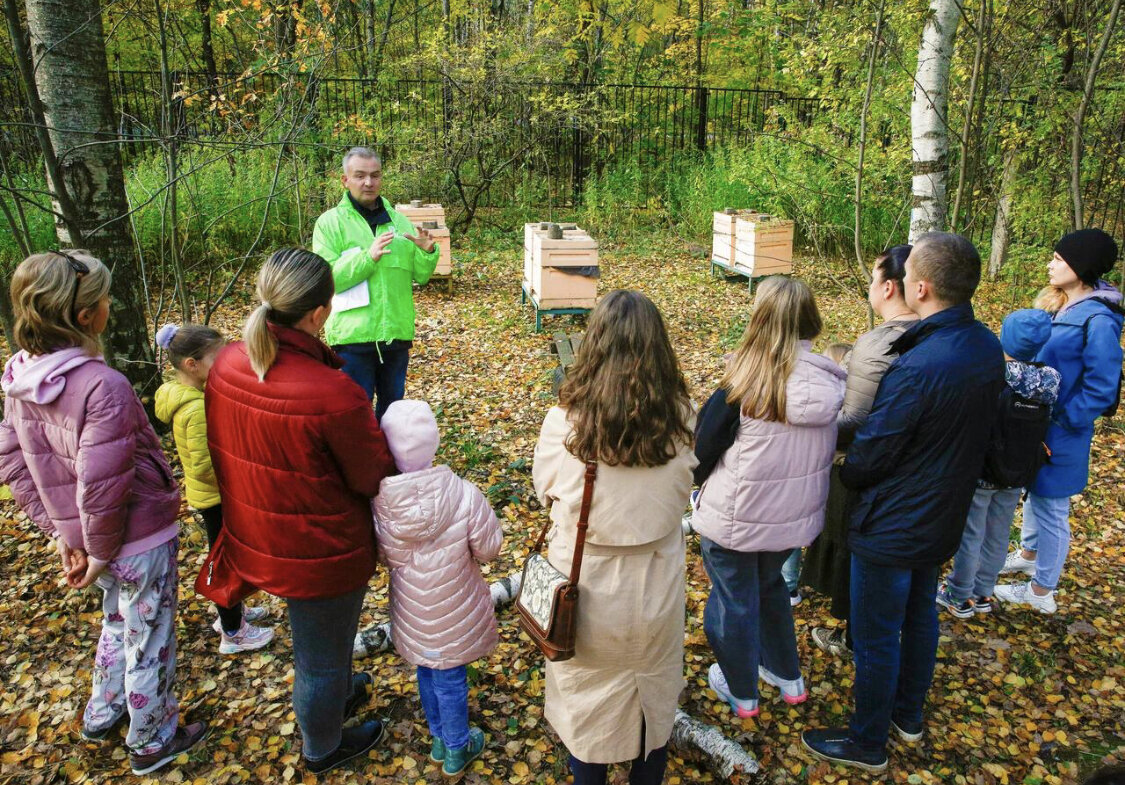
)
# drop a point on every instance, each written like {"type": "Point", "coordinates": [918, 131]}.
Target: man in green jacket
{"type": "Point", "coordinates": [375, 258]}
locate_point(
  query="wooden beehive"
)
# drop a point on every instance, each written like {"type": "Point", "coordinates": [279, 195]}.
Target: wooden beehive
{"type": "Point", "coordinates": [441, 240]}
{"type": "Point", "coordinates": [551, 284]}
{"type": "Point", "coordinates": [422, 212]}
{"type": "Point", "coordinates": [763, 245]}
{"type": "Point", "coordinates": [432, 218]}
{"type": "Point", "coordinates": [722, 234]}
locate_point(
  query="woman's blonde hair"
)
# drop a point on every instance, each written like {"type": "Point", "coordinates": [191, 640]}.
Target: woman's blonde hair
{"type": "Point", "coordinates": [48, 291]}
{"type": "Point", "coordinates": [1051, 299]}
{"type": "Point", "coordinates": [625, 395]}
{"type": "Point", "coordinates": [784, 314]}
{"type": "Point", "coordinates": [292, 282]}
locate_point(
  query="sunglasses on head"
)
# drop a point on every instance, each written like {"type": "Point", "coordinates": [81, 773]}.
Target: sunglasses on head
{"type": "Point", "coordinates": [80, 269]}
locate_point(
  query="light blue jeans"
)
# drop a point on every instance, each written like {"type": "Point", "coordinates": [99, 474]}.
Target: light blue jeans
{"type": "Point", "coordinates": [1046, 532]}
{"type": "Point", "coordinates": [984, 543]}
{"type": "Point", "coordinates": [791, 570]}
{"type": "Point", "coordinates": [445, 701]}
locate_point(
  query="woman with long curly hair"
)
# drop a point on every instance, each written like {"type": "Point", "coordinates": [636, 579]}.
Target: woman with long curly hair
{"type": "Point", "coordinates": [765, 495]}
{"type": "Point", "coordinates": [624, 405]}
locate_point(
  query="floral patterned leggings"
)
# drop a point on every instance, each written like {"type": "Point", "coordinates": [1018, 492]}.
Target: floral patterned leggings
{"type": "Point", "coordinates": [135, 667]}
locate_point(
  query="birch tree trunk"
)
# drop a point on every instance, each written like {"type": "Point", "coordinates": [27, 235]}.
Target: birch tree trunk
{"type": "Point", "coordinates": [68, 52]}
{"type": "Point", "coordinates": [929, 128]}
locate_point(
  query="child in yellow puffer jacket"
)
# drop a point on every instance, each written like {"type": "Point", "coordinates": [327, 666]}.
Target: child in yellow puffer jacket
{"type": "Point", "coordinates": [191, 351]}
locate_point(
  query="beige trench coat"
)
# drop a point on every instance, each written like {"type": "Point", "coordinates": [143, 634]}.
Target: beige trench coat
{"type": "Point", "coordinates": [629, 654]}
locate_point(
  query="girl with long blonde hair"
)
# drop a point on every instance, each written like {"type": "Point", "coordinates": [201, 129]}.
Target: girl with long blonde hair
{"type": "Point", "coordinates": [766, 492]}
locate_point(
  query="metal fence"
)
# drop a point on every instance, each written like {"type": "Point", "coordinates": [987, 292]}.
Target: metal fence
{"type": "Point", "coordinates": [613, 124]}
{"type": "Point", "coordinates": [641, 124]}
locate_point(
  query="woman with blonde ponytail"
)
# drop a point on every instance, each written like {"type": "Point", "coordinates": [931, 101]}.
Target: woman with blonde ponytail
{"type": "Point", "coordinates": [298, 456]}
{"type": "Point", "coordinates": [766, 492]}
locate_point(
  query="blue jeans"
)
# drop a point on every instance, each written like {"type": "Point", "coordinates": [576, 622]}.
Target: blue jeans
{"type": "Point", "coordinates": [1046, 532]}
{"type": "Point", "coordinates": [895, 630]}
{"type": "Point", "coordinates": [791, 570]}
{"type": "Point", "coordinates": [323, 636]}
{"type": "Point", "coordinates": [379, 370]}
{"type": "Point", "coordinates": [748, 596]}
{"type": "Point", "coordinates": [445, 700]}
{"type": "Point", "coordinates": [984, 543]}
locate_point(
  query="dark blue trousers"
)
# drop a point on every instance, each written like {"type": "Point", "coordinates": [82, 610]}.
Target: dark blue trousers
{"type": "Point", "coordinates": [381, 372]}
{"type": "Point", "coordinates": [894, 628]}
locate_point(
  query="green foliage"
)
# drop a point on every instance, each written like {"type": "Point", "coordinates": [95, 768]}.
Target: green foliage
{"type": "Point", "coordinates": [36, 206]}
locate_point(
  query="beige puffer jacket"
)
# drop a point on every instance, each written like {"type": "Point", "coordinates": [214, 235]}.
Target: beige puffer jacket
{"type": "Point", "coordinates": [867, 362]}
{"type": "Point", "coordinates": [432, 527]}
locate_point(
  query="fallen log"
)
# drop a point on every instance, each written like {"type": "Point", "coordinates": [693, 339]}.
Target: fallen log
{"type": "Point", "coordinates": [724, 756]}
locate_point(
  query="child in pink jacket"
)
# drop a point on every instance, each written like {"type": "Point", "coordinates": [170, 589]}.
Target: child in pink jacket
{"type": "Point", "coordinates": [432, 527]}
{"type": "Point", "coordinates": [84, 463]}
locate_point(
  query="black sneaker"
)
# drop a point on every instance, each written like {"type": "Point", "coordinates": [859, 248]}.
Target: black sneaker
{"type": "Point", "coordinates": [835, 746]}
{"type": "Point", "coordinates": [359, 697]}
{"type": "Point", "coordinates": [187, 736]}
{"type": "Point", "coordinates": [983, 604]}
{"type": "Point", "coordinates": [355, 742]}
{"type": "Point", "coordinates": [99, 735]}
{"type": "Point", "coordinates": [962, 609]}
{"type": "Point", "coordinates": [907, 731]}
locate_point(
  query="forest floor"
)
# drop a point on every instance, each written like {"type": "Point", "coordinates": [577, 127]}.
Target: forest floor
{"type": "Point", "coordinates": [1017, 697]}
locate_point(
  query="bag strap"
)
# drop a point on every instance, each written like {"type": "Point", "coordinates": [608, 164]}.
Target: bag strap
{"type": "Point", "coordinates": [583, 523]}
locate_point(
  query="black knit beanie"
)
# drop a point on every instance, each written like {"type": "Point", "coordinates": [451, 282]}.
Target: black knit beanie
{"type": "Point", "coordinates": [1091, 253]}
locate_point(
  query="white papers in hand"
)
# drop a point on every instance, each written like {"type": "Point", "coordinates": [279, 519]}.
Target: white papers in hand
{"type": "Point", "coordinates": [356, 297]}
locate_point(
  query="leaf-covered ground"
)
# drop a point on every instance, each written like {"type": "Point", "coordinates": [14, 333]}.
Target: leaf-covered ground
{"type": "Point", "coordinates": [1018, 697]}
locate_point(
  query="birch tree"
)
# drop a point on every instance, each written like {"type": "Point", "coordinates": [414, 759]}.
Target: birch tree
{"type": "Point", "coordinates": [72, 79]}
{"type": "Point", "coordinates": [929, 129]}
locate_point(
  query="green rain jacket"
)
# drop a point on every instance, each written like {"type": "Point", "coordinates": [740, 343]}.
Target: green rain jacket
{"type": "Point", "coordinates": [343, 238]}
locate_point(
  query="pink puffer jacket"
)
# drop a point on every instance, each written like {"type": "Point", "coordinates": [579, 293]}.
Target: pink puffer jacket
{"type": "Point", "coordinates": [431, 528]}
{"type": "Point", "coordinates": [768, 491]}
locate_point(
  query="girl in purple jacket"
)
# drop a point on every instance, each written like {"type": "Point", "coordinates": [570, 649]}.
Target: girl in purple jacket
{"type": "Point", "coordinates": [83, 462]}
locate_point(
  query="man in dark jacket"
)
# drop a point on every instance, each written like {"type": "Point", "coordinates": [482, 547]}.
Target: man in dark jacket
{"type": "Point", "coordinates": [914, 464]}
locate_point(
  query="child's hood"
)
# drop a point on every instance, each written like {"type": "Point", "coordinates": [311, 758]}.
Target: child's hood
{"type": "Point", "coordinates": [1036, 382]}
{"type": "Point", "coordinates": [42, 378]}
{"type": "Point", "coordinates": [171, 396]}
{"type": "Point", "coordinates": [415, 506]}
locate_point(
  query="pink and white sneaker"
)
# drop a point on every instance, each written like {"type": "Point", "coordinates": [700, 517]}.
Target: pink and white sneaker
{"type": "Point", "coordinates": [248, 638]}
{"type": "Point", "coordinates": [717, 681]}
{"type": "Point", "coordinates": [248, 614]}
{"type": "Point", "coordinates": [792, 691]}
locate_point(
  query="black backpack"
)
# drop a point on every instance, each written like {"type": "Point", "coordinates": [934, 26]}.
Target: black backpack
{"type": "Point", "coordinates": [1017, 449]}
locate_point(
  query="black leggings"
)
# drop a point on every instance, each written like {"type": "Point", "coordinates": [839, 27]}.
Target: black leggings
{"type": "Point", "coordinates": [642, 771]}
{"type": "Point", "coordinates": [230, 618]}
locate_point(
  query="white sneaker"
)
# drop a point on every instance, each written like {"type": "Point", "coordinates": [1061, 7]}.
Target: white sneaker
{"type": "Point", "coordinates": [1017, 563]}
{"type": "Point", "coordinates": [795, 598]}
{"type": "Point", "coordinates": [248, 614]}
{"type": "Point", "coordinates": [248, 638]}
{"type": "Point", "coordinates": [717, 681]}
{"type": "Point", "coordinates": [1021, 594]}
{"type": "Point", "coordinates": [792, 691]}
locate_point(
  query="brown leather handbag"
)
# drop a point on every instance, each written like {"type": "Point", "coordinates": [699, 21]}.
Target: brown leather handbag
{"type": "Point", "coordinates": [548, 600]}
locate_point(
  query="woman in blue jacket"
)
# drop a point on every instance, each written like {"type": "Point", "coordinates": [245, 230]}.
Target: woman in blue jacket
{"type": "Point", "coordinates": [1085, 348]}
